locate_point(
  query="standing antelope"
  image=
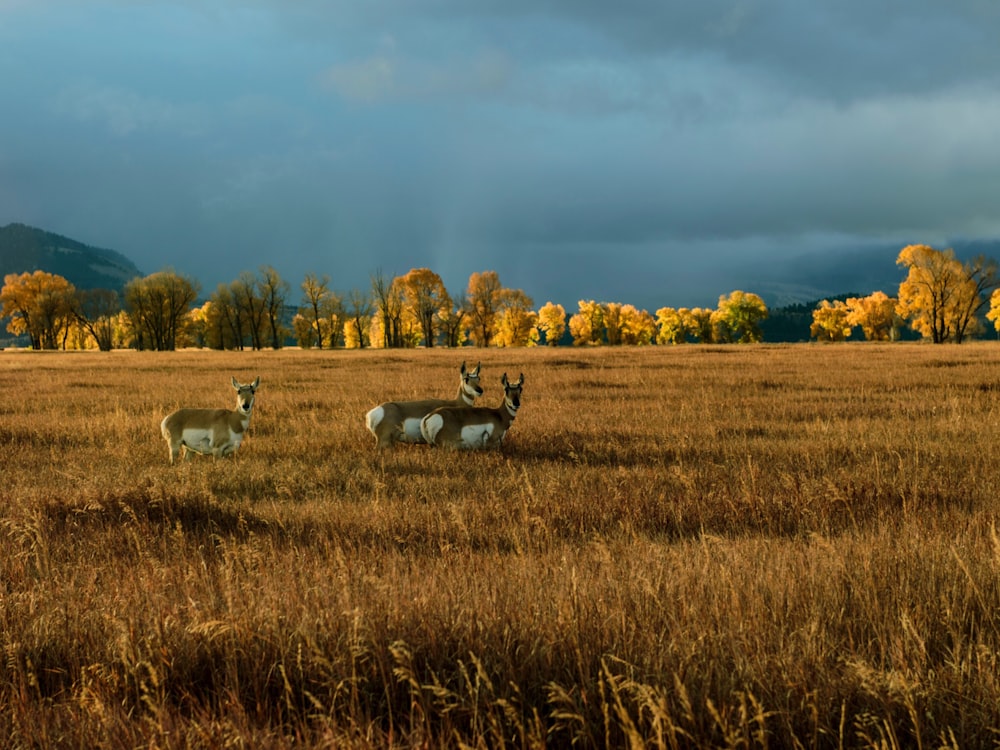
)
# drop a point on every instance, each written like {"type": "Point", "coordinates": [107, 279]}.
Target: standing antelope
{"type": "Point", "coordinates": [215, 431]}
{"type": "Point", "coordinates": [479, 427]}
{"type": "Point", "coordinates": [399, 421]}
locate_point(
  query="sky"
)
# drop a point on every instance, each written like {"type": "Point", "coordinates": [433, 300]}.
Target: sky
{"type": "Point", "coordinates": [652, 152]}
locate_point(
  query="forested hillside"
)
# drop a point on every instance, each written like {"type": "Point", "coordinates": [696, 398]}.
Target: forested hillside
{"type": "Point", "coordinates": [24, 248]}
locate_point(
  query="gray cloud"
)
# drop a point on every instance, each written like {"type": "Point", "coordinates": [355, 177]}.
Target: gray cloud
{"type": "Point", "coordinates": [654, 153]}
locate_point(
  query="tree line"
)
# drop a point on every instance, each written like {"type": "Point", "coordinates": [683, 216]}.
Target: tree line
{"type": "Point", "coordinates": [941, 298]}
{"type": "Point", "coordinates": [160, 312]}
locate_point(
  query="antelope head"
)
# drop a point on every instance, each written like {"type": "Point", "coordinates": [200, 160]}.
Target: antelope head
{"type": "Point", "coordinates": [471, 390]}
{"type": "Point", "coordinates": [512, 393]}
{"type": "Point", "coordinates": [245, 395]}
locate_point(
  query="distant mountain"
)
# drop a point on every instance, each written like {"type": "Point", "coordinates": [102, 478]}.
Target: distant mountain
{"type": "Point", "coordinates": [26, 249]}
{"type": "Point", "coordinates": [811, 277]}
{"type": "Point", "coordinates": [868, 269]}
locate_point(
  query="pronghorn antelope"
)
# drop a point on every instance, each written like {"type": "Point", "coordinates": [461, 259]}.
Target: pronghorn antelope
{"type": "Point", "coordinates": [399, 421]}
{"type": "Point", "coordinates": [479, 427]}
{"type": "Point", "coordinates": [215, 431]}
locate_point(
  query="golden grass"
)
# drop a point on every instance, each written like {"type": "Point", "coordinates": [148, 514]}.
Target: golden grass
{"type": "Point", "coordinates": [692, 546]}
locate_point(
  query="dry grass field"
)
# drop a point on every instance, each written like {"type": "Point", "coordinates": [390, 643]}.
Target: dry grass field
{"type": "Point", "coordinates": [697, 546]}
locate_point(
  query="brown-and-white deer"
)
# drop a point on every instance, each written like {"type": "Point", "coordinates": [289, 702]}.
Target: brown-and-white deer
{"type": "Point", "coordinates": [215, 431]}
{"type": "Point", "coordinates": [399, 421]}
{"type": "Point", "coordinates": [478, 427]}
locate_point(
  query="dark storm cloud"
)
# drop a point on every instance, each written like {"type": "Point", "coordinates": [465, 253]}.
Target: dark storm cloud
{"type": "Point", "coordinates": [846, 49]}
{"type": "Point", "coordinates": [654, 153]}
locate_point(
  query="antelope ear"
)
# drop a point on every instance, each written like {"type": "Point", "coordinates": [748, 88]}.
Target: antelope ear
{"type": "Point", "coordinates": [463, 368]}
{"type": "Point", "coordinates": [520, 380]}
{"type": "Point", "coordinates": [256, 382]}
{"type": "Point", "coordinates": [478, 365]}
{"type": "Point", "coordinates": [503, 380]}
{"type": "Point", "coordinates": [235, 384]}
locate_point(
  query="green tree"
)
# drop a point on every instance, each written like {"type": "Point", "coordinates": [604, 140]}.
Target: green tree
{"type": "Point", "coordinates": [158, 304]}
{"type": "Point", "coordinates": [738, 317]}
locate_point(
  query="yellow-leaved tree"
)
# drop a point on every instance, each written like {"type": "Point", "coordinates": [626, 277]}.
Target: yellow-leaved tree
{"type": "Point", "coordinates": [427, 300]}
{"type": "Point", "coordinates": [876, 314]}
{"type": "Point", "coordinates": [406, 331]}
{"type": "Point", "coordinates": [516, 322]}
{"type": "Point", "coordinates": [613, 322]}
{"type": "Point", "coordinates": [587, 326]}
{"type": "Point", "coordinates": [39, 304]}
{"type": "Point", "coordinates": [681, 325]}
{"type": "Point", "coordinates": [552, 322]}
{"type": "Point", "coordinates": [829, 321]}
{"type": "Point", "coordinates": [482, 299]}
{"type": "Point", "coordinates": [358, 310]}
{"type": "Point", "coordinates": [671, 326]}
{"type": "Point", "coordinates": [198, 323]}
{"type": "Point", "coordinates": [994, 313]}
{"type": "Point", "coordinates": [637, 327]}
{"type": "Point", "coordinates": [361, 329]}
{"type": "Point", "coordinates": [941, 296]}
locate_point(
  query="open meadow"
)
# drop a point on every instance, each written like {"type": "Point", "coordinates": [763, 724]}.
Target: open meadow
{"type": "Point", "coordinates": [694, 546]}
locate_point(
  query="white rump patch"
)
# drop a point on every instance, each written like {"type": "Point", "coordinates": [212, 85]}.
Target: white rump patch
{"type": "Point", "coordinates": [374, 418]}
{"type": "Point", "coordinates": [430, 426]}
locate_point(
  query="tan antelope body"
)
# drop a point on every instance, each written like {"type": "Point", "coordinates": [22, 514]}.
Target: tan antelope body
{"type": "Point", "coordinates": [399, 421]}
{"type": "Point", "coordinates": [478, 427]}
{"type": "Point", "coordinates": [215, 431]}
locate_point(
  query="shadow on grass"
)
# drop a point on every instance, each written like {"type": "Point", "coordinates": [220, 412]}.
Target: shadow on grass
{"type": "Point", "coordinates": [150, 507]}
{"type": "Point", "coordinates": [614, 449]}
